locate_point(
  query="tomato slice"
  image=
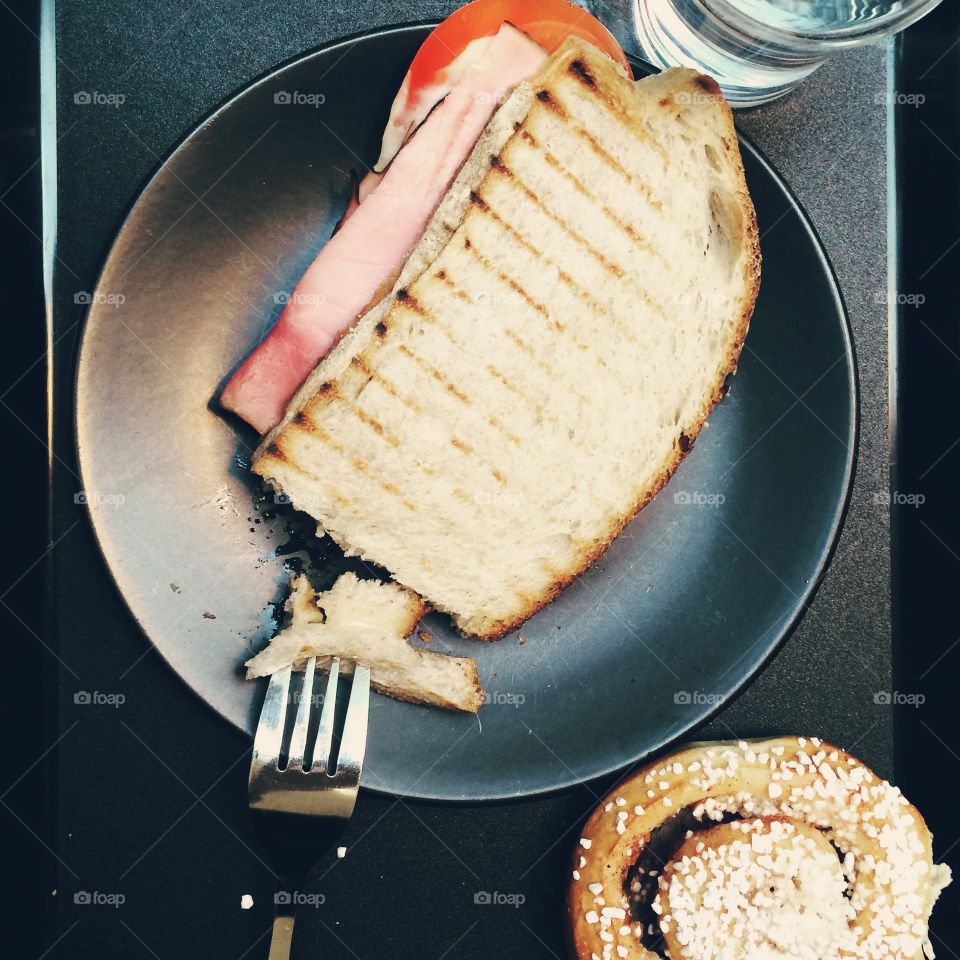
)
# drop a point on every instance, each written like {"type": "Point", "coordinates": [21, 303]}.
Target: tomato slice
{"type": "Point", "coordinates": [462, 38]}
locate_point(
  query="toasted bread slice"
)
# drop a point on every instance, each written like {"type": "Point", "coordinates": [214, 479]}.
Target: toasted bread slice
{"type": "Point", "coordinates": [488, 430]}
{"type": "Point", "coordinates": [366, 622]}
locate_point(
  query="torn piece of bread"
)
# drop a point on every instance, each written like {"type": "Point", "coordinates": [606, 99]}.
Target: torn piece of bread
{"type": "Point", "coordinates": [486, 432]}
{"type": "Point", "coordinates": [367, 622]}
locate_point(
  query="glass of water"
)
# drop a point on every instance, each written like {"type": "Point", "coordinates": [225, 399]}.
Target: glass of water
{"type": "Point", "coordinates": [756, 49]}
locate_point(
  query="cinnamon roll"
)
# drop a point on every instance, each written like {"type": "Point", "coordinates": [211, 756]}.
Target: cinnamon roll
{"type": "Point", "coordinates": [786, 848]}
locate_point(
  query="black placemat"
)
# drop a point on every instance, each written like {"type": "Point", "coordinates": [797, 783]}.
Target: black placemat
{"type": "Point", "coordinates": [151, 806]}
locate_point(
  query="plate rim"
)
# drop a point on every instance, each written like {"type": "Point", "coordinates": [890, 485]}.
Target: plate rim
{"type": "Point", "coordinates": [823, 560]}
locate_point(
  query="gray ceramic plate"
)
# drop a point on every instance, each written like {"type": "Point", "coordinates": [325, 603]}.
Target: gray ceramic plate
{"type": "Point", "coordinates": [680, 612]}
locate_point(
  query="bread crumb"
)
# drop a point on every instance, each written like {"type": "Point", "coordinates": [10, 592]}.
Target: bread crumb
{"type": "Point", "coordinates": [425, 635]}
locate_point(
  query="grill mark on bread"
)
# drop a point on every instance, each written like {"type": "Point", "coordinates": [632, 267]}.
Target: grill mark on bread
{"type": "Point", "coordinates": [337, 496]}
{"type": "Point", "coordinates": [516, 391]}
{"type": "Point", "coordinates": [315, 430]}
{"type": "Point", "coordinates": [526, 348]}
{"type": "Point", "coordinates": [519, 290]}
{"type": "Point", "coordinates": [614, 108]}
{"type": "Point", "coordinates": [494, 421]}
{"type": "Point", "coordinates": [458, 292]}
{"type": "Point", "coordinates": [409, 301]}
{"type": "Point", "coordinates": [481, 204]}
{"type": "Point", "coordinates": [522, 344]}
{"type": "Point", "coordinates": [361, 364]}
{"type": "Point", "coordinates": [546, 98]}
{"type": "Point", "coordinates": [341, 501]}
{"type": "Point", "coordinates": [361, 467]}
{"type": "Point", "coordinates": [529, 247]}
{"type": "Point", "coordinates": [359, 361]}
{"type": "Point", "coordinates": [465, 497]}
{"type": "Point", "coordinates": [487, 265]}
{"type": "Point", "coordinates": [581, 188]}
{"type": "Point", "coordinates": [516, 287]}
{"type": "Point", "coordinates": [499, 425]}
{"type": "Point", "coordinates": [613, 268]}
{"type": "Point", "coordinates": [579, 70]}
{"type": "Point", "coordinates": [608, 160]}
{"type": "Point", "coordinates": [373, 423]}
{"type": "Point", "coordinates": [540, 310]}
{"type": "Point", "coordinates": [468, 451]}
{"type": "Point", "coordinates": [435, 373]}
{"type": "Point", "coordinates": [462, 446]}
{"type": "Point", "coordinates": [390, 488]}
{"type": "Point", "coordinates": [542, 364]}
{"type": "Point", "coordinates": [566, 278]}
{"type": "Point", "coordinates": [543, 311]}
{"type": "Point", "coordinates": [427, 315]}
{"type": "Point", "coordinates": [642, 188]}
{"type": "Point", "coordinates": [497, 374]}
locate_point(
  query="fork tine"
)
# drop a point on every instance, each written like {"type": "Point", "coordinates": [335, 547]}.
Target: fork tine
{"type": "Point", "coordinates": [321, 751]}
{"type": "Point", "coordinates": [354, 741]}
{"type": "Point", "coordinates": [298, 740]}
{"type": "Point", "coordinates": [269, 738]}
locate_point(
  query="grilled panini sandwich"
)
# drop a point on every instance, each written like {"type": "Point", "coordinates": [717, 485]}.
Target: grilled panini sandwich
{"type": "Point", "coordinates": [550, 352]}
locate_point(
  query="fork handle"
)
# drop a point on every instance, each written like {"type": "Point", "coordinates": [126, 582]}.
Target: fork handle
{"type": "Point", "coordinates": [281, 938]}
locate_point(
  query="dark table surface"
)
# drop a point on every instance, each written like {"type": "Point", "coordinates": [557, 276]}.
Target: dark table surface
{"type": "Point", "coordinates": [151, 804]}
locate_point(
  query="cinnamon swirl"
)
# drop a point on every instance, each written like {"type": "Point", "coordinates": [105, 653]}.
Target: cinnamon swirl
{"type": "Point", "coordinates": [786, 848]}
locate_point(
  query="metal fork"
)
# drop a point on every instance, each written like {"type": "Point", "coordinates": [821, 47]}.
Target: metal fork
{"type": "Point", "coordinates": [301, 811]}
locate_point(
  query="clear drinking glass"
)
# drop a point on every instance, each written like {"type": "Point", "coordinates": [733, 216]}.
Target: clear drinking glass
{"type": "Point", "coordinates": [756, 49]}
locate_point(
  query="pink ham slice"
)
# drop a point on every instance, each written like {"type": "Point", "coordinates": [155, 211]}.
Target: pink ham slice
{"type": "Point", "coordinates": [361, 190]}
{"type": "Point", "coordinates": [361, 261]}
